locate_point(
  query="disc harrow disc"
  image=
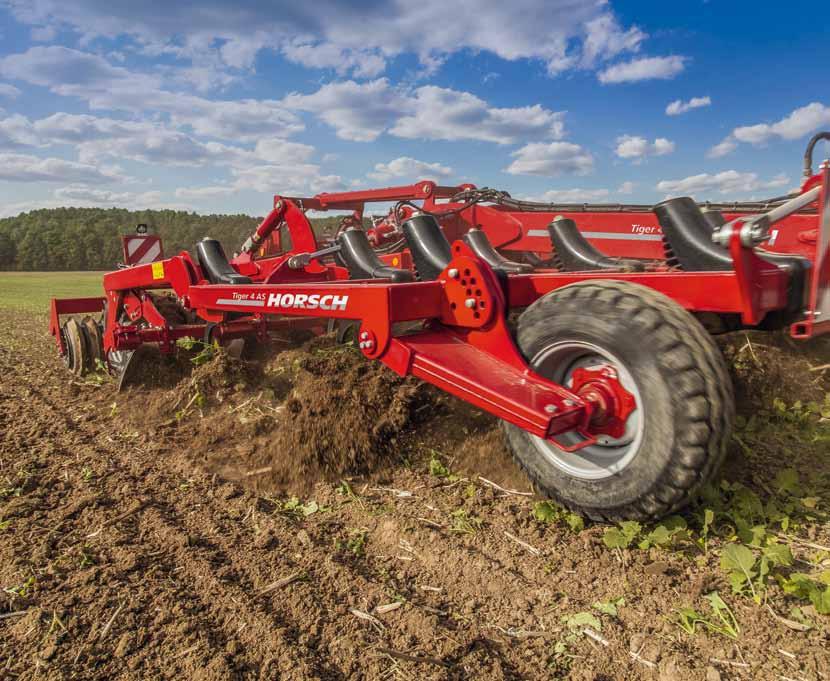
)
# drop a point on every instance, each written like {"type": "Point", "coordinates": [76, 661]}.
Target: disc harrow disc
{"type": "Point", "coordinates": [77, 356]}
{"type": "Point", "coordinates": [95, 343]}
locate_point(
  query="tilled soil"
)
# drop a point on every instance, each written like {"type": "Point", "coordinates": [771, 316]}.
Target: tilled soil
{"type": "Point", "coordinates": [151, 535]}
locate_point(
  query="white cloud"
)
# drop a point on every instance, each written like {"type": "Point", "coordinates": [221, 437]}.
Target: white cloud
{"type": "Point", "coordinates": [605, 39]}
{"type": "Point", "coordinates": [726, 182]}
{"type": "Point", "coordinates": [797, 124]}
{"type": "Point", "coordinates": [363, 111]}
{"type": "Point", "coordinates": [8, 210]}
{"type": "Point", "coordinates": [723, 148]}
{"type": "Point", "coordinates": [9, 91]}
{"type": "Point", "coordinates": [357, 111]}
{"type": "Point", "coordinates": [645, 68]}
{"type": "Point", "coordinates": [559, 33]}
{"type": "Point", "coordinates": [678, 106]}
{"type": "Point", "coordinates": [83, 195]}
{"type": "Point", "coordinates": [289, 178]}
{"type": "Point", "coordinates": [626, 188]}
{"type": "Point", "coordinates": [25, 168]}
{"type": "Point", "coordinates": [360, 63]}
{"type": "Point", "coordinates": [444, 114]}
{"type": "Point", "coordinates": [144, 201]}
{"type": "Point", "coordinates": [73, 73]}
{"type": "Point", "coordinates": [81, 192]}
{"type": "Point", "coordinates": [634, 147]}
{"type": "Point", "coordinates": [43, 34]}
{"type": "Point", "coordinates": [16, 131]}
{"type": "Point", "coordinates": [66, 71]}
{"type": "Point", "coordinates": [556, 158]}
{"type": "Point", "coordinates": [245, 120]}
{"type": "Point", "coordinates": [272, 165]}
{"type": "Point", "coordinates": [209, 192]}
{"type": "Point", "coordinates": [97, 138]}
{"type": "Point", "coordinates": [409, 168]}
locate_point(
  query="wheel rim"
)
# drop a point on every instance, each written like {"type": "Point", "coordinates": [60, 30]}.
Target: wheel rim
{"type": "Point", "coordinates": [609, 455]}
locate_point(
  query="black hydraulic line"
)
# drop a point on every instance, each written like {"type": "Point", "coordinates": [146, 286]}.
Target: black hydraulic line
{"type": "Point", "coordinates": [808, 153]}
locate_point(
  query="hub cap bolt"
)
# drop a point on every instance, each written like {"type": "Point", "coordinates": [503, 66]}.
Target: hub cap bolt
{"type": "Point", "coordinates": [362, 344]}
{"type": "Point", "coordinates": [368, 344]}
{"type": "Point", "coordinates": [470, 302]}
{"type": "Point", "coordinates": [551, 409]}
{"type": "Point", "coordinates": [364, 335]}
{"type": "Point", "coordinates": [453, 273]}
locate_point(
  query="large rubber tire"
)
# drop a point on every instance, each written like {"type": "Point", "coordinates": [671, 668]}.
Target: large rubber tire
{"type": "Point", "coordinates": [686, 393]}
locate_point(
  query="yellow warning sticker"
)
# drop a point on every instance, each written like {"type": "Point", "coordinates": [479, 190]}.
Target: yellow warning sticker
{"type": "Point", "coordinates": [158, 270]}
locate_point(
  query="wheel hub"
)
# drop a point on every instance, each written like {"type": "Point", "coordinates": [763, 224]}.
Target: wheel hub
{"type": "Point", "coordinates": [613, 404]}
{"type": "Point", "coordinates": [617, 418]}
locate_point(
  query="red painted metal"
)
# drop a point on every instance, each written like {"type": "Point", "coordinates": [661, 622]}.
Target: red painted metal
{"type": "Point", "coordinates": [613, 404]}
{"type": "Point", "coordinates": [70, 306]}
{"type": "Point", "coordinates": [629, 231]}
{"type": "Point", "coordinates": [817, 315]}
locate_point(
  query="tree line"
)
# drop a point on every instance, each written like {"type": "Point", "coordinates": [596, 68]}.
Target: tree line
{"type": "Point", "coordinates": [73, 239]}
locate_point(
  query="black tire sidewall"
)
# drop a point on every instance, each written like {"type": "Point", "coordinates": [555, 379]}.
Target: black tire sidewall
{"type": "Point", "coordinates": [658, 410]}
{"type": "Point", "coordinates": [685, 405]}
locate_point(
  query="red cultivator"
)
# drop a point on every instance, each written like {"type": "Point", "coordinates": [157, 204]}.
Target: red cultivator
{"type": "Point", "coordinates": [614, 397]}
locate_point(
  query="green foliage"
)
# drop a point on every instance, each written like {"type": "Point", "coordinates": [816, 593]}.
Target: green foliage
{"type": "Point", "coordinates": [547, 512]}
{"type": "Point", "coordinates": [206, 351]}
{"type": "Point", "coordinates": [357, 542]}
{"type": "Point", "coordinates": [609, 607]}
{"type": "Point", "coordinates": [22, 590]}
{"type": "Point", "coordinates": [739, 562]}
{"type": "Point", "coordinates": [464, 523]}
{"type": "Point", "coordinates": [579, 620]}
{"type": "Point", "coordinates": [89, 238]}
{"type": "Point", "coordinates": [346, 490]}
{"type": "Point", "coordinates": [438, 469]}
{"type": "Point", "coordinates": [725, 623]}
{"type": "Point", "coordinates": [622, 537]}
{"type": "Point", "coordinates": [664, 534]}
{"type": "Point", "coordinates": [804, 587]}
{"type": "Point", "coordinates": [800, 413]}
{"type": "Point", "coordinates": [77, 239]}
{"type": "Point", "coordinates": [295, 507]}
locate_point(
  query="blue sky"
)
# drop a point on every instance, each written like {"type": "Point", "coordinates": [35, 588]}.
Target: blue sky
{"type": "Point", "coordinates": [216, 106]}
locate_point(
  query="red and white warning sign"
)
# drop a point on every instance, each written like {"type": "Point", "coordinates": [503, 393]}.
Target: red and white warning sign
{"type": "Point", "coordinates": [140, 249]}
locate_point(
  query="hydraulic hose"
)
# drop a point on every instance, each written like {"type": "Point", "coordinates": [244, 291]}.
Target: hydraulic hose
{"type": "Point", "coordinates": [808, 154]}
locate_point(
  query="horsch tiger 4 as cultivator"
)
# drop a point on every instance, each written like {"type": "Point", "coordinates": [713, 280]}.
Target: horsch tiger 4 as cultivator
{"type": "Point", "coordinates": [614, 397]}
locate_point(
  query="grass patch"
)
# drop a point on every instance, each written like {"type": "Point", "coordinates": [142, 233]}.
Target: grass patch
{"type": "Point", "coordinates": [32, 291]}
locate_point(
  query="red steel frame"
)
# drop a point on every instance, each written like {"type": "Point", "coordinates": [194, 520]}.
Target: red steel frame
{"type": "Point", "coordinates": [464, 346]}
